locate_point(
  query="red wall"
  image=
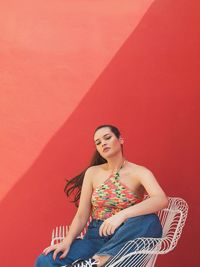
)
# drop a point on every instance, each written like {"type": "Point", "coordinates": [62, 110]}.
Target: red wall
{"type": "Point", "coordinates": [67, 67]}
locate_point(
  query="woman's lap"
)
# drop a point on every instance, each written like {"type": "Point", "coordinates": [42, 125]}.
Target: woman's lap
{"type": "Point", "coordinates": [140, 226]}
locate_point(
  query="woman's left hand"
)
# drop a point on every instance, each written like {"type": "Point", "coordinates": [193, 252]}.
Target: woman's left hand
{"type": "Point", "coordinates": [109, 225]}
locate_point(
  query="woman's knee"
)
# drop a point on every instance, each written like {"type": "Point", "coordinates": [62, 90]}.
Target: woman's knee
{"type": "Point", "coordinates": [42, 261]}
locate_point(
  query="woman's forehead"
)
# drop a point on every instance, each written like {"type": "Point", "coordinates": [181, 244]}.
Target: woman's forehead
{"type": "Point", "coordinates": [101, 132]}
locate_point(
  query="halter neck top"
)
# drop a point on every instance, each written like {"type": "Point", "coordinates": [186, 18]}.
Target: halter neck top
{"type": "Point", "coordinates": [111, 197]}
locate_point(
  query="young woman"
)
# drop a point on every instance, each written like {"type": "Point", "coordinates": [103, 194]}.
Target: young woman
{"type": "Point", "coordinates": [112, 191]}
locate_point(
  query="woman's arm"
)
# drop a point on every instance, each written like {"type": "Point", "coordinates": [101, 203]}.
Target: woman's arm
{"type": "Point", "coordinates": [79, 220]}
{"type": "Point", "coordinates": [83, 212]}
{"type": "Point", "coordinates": [157, 199]}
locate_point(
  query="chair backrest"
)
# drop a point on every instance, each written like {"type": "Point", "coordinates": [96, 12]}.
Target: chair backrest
{"type": "Point", "coordinates": [172, 219]}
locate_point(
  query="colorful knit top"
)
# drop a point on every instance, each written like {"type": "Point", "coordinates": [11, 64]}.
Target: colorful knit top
{"type": "Point", "coordinates": [111, 197]}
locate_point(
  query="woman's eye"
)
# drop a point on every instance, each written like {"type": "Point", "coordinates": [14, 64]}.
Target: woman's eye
{"type": "Point", "coordinates": [98, 144]}
{"type": "Point", "coordinates": [106, 138]}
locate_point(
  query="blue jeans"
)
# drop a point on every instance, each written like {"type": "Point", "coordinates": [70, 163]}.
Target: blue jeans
{"type": "Point", "coordinates": [93, 244]}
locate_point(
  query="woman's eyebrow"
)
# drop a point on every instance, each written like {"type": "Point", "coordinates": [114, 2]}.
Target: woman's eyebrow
{"type": "Point", "coordinates": [103, 136]}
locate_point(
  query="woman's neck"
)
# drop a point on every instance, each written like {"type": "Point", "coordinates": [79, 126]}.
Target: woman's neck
{"type": "Point", "coordinates": [115, 163]}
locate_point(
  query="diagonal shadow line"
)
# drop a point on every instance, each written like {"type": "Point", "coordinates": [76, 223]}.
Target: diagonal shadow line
{"type": "Point", "coordinates": [85, 95]}
{"type": "Point", "coordinates": [18, 179]}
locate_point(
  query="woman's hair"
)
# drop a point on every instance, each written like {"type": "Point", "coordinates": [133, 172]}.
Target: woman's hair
{"type": "Point", "coordinates": [74, 185]}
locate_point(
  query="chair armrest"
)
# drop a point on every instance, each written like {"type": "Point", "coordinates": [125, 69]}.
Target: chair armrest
{"type": "Point", "coordinates": [59, 233]}
{"type": "Point", "coordinates": [140, 249]}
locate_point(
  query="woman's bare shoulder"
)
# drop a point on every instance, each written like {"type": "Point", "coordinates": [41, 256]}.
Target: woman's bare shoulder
{"type": "Point", "coordinates": [96, 168]}
{"type": "Point", "coordinates": [138, 169]}
{"type": "Point", "coordinates": [93, 172]}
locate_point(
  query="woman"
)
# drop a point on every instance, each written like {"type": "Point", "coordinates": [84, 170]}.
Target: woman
{"type": "Point", "coordinates": [112, 191]}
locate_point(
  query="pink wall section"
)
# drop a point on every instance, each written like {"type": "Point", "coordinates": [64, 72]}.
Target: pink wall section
{"type": "Point", "coordinates": [147, 83]}
{"type": "Point", "coordinates": [51, 54]}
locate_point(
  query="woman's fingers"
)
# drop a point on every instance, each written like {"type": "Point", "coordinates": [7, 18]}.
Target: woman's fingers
{"type": "Point", "coordinates": [56, 251]}
{"type": "Point", "coordinates": [109, 229]}
{"type": "Point", "coordinates": [48, 249]}
{"type": "Point", "coordinates": [112, 230]}
{"type": "Point", "coordinates": [61, 247]}
{"type": "Point", "coordinates": [109, 226]}
{"type": "Point", "coordinates": [44, 251]}
{"type": "Point", "coordinates": [103, 228]}
{"type": "Point", "coordinates": [106, 229]}
{"type": "Point", "coordinates": [64, 254]}
{"type": "Point", "coordinates": [100, 229]}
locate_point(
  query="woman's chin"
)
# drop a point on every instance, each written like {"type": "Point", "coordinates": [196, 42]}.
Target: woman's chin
{"type": "Point", "coordinates": [108, 155]}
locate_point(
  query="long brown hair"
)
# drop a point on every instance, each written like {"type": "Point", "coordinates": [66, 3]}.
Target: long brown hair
{"type": "Point", "coordinates": [74, 185]}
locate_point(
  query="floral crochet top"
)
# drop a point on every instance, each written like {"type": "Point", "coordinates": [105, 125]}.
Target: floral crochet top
{"type": "Point", "coordinates": [111, 197]}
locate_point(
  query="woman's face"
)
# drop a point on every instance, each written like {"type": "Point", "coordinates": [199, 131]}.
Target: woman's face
{"type": "Point", "coordinates": [107, 144]}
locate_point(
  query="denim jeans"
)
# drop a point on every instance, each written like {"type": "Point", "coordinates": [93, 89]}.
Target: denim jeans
{"type": "Point", "coordinates": [93, 244]}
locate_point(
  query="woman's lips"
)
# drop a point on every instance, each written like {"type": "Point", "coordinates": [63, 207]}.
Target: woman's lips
{"type": "Point", "coordinates": [106, 149]}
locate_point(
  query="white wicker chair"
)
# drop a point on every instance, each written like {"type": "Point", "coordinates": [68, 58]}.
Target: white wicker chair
{"type": "Point", "coordinates": [143, 252]}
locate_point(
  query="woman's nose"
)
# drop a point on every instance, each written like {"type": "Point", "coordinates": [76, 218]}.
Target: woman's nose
{"type": "Point", "coordinates": [104, 143]}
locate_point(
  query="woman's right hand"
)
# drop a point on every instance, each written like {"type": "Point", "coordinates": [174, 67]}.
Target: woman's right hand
{"type": "Point", "coordinates": [60, 247]}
